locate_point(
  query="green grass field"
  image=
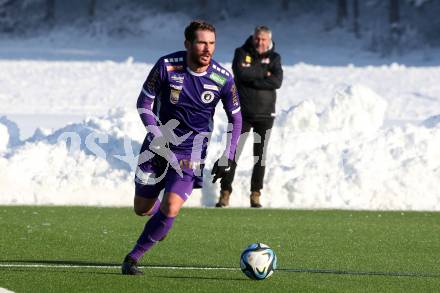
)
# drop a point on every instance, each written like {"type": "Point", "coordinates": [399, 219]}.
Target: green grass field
{"type": "Point", "coordinates": [79, 249]}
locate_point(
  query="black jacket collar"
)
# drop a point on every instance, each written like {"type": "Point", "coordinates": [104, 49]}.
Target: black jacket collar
{"type": "Point", "coordinates": [249, 47]}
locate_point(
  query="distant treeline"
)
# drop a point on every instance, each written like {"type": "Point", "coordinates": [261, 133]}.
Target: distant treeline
{"type": "Point", "coordinates": [385, 20]}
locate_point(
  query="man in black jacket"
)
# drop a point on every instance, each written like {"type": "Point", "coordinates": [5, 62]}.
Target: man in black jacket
{"type": "Point", "coordinates": [258, 73]}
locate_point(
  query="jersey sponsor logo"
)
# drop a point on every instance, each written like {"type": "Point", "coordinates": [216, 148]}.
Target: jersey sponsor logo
{"type": "Point", "coordinates": [265, 61]}
{"type": "Point", "coordinates": [217, 78]}
{"type": "Point", "coordinates": [176, 87]}
{"type": "Point", "coordinates": [210, 87]}
{"type": "Point", "coordinates": [207, 97]}
{"type": "Point", "coordinates": [188, 164]}
{"type": "Point", "coordinates": [174, 67]}
{"type": "Point", "coordinates": [177, 78]}
{"type": "Point", "coordinates": [248, 59]}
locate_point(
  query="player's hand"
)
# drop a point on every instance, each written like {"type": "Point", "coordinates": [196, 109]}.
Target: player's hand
{"type": "Point", "coordinates": [160, 162]}
{"type": "Point", "coordinates": [158, 146]}
{"type": "Point", "coordinates": [221, 168]}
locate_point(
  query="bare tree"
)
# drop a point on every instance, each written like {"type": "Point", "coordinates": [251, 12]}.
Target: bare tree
{"type": "Point", "coordinates": [392, 43]}
{"type": "Point", "coordinates": [394, 18]}
{"type": "Point", "coordinates": [285, 5]}
{"type": "Point", "coordinates": [92, 9]}
{"type": "Point", "coordinates": [342, 12]}
{"type": "Point", "coordinates": [7, 22]}
{"type": "Point", "coordinates": [356, 19]}
{"type": "Point", "coordinates": [49, 18]}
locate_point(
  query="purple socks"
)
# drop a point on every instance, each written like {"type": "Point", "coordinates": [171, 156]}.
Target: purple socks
{"type": "Point", "coordinates": [155, 230]}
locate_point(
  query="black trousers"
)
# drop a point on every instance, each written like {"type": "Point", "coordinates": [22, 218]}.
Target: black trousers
{"type": "Point", "coordinates": [261, 129]}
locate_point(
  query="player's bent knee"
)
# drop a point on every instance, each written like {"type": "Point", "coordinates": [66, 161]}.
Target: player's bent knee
{"type": "Point", "coordinates": [140, 212]}
{"type": "Point", "coordinates": [143, 207]}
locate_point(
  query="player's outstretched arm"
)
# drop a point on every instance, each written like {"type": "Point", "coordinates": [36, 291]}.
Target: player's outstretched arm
{"type": "Point", "coordinates": [231, 104]}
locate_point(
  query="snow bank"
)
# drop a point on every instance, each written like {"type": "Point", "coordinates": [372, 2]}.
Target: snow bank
{"type": "Point", "coordinates": [9, 134]}
{"type": "Point", "coordinates": [86, 163]}
{"type": "Point", "coordinates": [92, 88]}
{"type": "Point", "coordinates": [114, 137]}
{"type": "Point", "coordinates": [341, 157]}
{"type": "Point", "coordinates": [356, 109]}
{"type": "Point", "coordinates": [431, 122]}
{"type": "Point", "coordinates": [42, 173]}
{"type": "Point", "coordinates": [397, 168]}
{"type": "Point", "coordinates": [4, 138]}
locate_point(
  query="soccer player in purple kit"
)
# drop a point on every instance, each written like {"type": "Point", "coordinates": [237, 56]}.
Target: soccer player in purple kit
{"type": "Point", "coordinates": [177, 105]}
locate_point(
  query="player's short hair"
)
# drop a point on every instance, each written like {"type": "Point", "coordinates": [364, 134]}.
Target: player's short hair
{"type": "Point", "coordinates": [195, 25]}
{"type": "Point", "coordinates": [263, 29]}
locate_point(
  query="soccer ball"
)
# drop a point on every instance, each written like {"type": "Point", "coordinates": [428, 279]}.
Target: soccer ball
{"type": "Point", "coordinates": [258, 261]}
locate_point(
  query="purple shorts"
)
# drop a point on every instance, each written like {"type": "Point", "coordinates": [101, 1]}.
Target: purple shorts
{"type": "Point", "coordinates": [156, 174]}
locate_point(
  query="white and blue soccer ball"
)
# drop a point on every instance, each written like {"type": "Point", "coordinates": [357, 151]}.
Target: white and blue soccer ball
{"type": "Point", "coordinates": [258, 261]}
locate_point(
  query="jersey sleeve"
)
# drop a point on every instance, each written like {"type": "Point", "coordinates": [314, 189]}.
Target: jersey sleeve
{"type": "Point", "coordinates": [231, 104]}
{"type": "Point", "coordinates": [150, 90]}
{"type": "Point", "coordinates": [229, 97]}
{"type": "Point", "coordinates": [152, 85]}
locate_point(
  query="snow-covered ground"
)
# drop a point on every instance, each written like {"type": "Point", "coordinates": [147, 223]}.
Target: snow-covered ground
{"type": "Point", "coordinates": [346, 136]}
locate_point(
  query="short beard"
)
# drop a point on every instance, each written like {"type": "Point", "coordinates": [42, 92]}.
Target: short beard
{"type": "Point", "coordinates": [196, 61]}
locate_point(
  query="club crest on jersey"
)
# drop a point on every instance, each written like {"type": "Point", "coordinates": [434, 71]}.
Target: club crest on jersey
{"type": "Point", "coordinates": [207, 97]}
{"type": "Point", "coordinates": [174, 96]}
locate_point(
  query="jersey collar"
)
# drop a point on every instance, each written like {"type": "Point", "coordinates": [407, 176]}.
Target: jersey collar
{"type": "Point", "coordinates": [197, 73]}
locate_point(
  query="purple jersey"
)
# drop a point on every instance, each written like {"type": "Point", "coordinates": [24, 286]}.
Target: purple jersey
{"type": "Point", "coordinates": [190, 98]}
